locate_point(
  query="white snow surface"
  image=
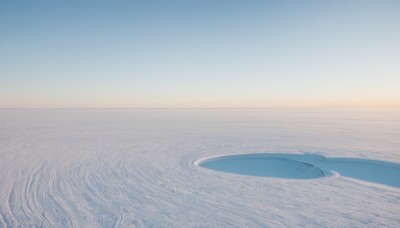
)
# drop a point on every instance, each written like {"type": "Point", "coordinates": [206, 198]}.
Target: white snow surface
{"type": "Point", "coordinates": [136, 168]}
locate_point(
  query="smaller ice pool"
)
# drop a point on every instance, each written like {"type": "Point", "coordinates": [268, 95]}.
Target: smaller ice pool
{"type": "Point", "coordinates": [268, 167]}
{"type": "Point", "coordinates": [304, 166]}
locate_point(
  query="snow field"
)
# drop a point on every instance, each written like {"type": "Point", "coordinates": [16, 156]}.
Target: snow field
{"type": "Point", "coordinates": [136, 168]}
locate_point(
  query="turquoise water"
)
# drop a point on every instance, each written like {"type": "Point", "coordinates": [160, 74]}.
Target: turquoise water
{"type": "Point", "coordinates": [297, 166]}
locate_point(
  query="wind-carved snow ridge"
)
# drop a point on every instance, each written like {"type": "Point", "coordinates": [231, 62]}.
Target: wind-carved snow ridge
{"type": "Point", "coordinates": [298, 166]}
{"type": "Point", "coordinates": [49, 197]}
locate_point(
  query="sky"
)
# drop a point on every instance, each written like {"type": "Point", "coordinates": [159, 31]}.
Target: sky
{"type": "Point", "coordinates": [199, 54]}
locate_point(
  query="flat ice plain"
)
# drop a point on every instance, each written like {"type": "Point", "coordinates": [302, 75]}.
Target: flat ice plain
{"type": "Point", "coordinates": [137, 168]}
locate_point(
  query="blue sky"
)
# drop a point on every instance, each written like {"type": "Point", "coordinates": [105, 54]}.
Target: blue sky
{"type": "Point", "coordinates": [199, 53]}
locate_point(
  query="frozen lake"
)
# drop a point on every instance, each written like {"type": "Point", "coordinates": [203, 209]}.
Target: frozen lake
{"type": "Point", "coordinates": [137, 167]}
{"type": "Point", "coordinates": [304, 166]}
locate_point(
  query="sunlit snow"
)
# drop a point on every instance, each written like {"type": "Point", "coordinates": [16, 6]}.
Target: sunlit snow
{"type": "Point", "coordinates": [138, 167]}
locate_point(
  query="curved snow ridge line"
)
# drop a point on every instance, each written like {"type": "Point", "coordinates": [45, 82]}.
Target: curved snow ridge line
{"type": "Point", "coordinates": [60, 205]}
{"type": "Point", "coordinates": [304, 166]}
{"type": "Point", "coordinates": [2, 220]}
{"type": "Point", "coordinates": [31, 201]}
{"type": "Point", "coordinates": [9, 214]}
{"type": "Point", "coordinates": [54, 197]}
